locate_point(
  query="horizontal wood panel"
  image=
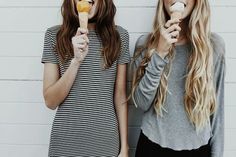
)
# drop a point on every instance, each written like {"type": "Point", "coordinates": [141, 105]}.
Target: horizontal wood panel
{"type": "Point", "coordinates": [38, 113]}
{"type": "Point", "coordinates": [21, 91]}
{"type": "Point", "coordinates": [229, 39]}
{"type": "Point", "coordinates": [30, 68]}
{"type": "Point", "coordinates": [229, 153]}
{"type": "Point", "coordinates": [23, 150]}
{"type": "Point", "coordinates": [40, 135]}
{"type": "Point", "coordinates": [144, 24]}
{"type": "Point", "coordinates": [230, 73]}
{"type": "Point", "coordinates": [26, 68]}
{"type": "Point", "coordinates": [25, 134]}
{"type": "Point", "coordinates": [38, 19]}
{"type": "Point", "coordinates": [31, 91]}
{"type": "Point", "coordinates": [57, 3]}
{"type": "Point", "coordinates": [35, 23]}
{"type": "Point", "coordinates": [31, 44]}
{"type": "Point", "coordinates": [26, 113]}
{"type": "Point", "coordinates": [21, 44]}
{"type": "Point", "coordinates": [119, 3]}
{"type": "Point", "coordinates": [30, 3]}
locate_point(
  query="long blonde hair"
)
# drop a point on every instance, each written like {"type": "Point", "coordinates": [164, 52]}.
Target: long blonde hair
{"type": "Point", "coordinates": [199, 99]}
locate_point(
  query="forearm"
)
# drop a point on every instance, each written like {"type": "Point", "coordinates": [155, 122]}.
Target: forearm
{"type": "Point", "coordinates": [217, 140]}
{"type": "Point", "coordinates": [218, 118]}
{"type": "Point", "coordinates": [55, 94]}
{"type": "Point", "coordinates": [122, 114]}
{"type": "Point", "coordinates": [145, 91]}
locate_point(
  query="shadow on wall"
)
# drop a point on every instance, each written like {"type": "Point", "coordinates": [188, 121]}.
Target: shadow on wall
{"type": "Point", "coordinates": [135, 116]}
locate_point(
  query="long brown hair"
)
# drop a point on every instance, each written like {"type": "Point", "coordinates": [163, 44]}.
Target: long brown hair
{"type": "Point", "coordinates": [200, 97]}
{"type": "Point", "coordinates": [105, 27]}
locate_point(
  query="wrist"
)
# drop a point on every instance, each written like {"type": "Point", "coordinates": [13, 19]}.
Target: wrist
{"type": "Point", "coordinates": [162, 53]}
{"type": "Point", "coordinates": [75, 62]}
{"type": "Point", "coordinates": [124, 148]}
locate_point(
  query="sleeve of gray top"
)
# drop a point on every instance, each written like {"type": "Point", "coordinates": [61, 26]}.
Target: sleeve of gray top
{"type": "Point", "coordinates": [145, 92]}
{"type": "Point", "coordinates": [217, 119]}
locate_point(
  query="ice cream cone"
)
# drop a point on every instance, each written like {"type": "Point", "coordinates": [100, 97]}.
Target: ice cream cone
{"type": "Point", "coordinates": [177, 10]}
{"type": "Point", "coordinates": [83, 8]}
{"type": "Point", "coordinates": [83, 20]}
{"type": "Point", "coordinates": [176, 15]}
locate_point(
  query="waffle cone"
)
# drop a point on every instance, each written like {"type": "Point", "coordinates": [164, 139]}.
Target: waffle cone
{"type": "Point", "coordinates": [176, 15]}
{"type": "Point", "coordinates": [83, 20]}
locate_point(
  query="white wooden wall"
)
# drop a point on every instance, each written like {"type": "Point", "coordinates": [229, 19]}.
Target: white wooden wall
{"type": "Point", "coordinates": [25, 122]}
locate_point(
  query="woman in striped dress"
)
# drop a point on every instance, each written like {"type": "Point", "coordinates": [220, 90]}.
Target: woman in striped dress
{"type": "Point", "coordinates": [85, 80]}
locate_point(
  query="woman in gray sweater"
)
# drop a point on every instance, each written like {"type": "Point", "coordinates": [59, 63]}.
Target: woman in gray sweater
{"type": "Point", "coordinates": [179, 84]}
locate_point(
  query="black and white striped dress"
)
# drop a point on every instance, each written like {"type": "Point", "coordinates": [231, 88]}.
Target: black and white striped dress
{"type": "Point", "coordinates": [85, 124]}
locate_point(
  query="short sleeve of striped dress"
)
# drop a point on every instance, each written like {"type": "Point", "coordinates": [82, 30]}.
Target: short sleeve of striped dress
{"type": "Point", "coordinates": [49, 56]}
{"type": "Point", "coordinates": [124, 55]}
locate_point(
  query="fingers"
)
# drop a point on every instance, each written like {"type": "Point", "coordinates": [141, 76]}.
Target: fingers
{"type": "Point", "coordinates": [172, 40]}
{"type": "Point", "coordinates": [82, 48]}
{"type": "Point", "coordinates": [80, 44]}
{"type": "Point", "coordinates": [174, 34]}
{"type": "Point", "coordinates": [80, 54]}
{"type": "Point", "coordinates": [171, 37]}
{"type": "Point", "coordinates": [171, 22]}
{"type": "Point", "coordinates": [80, 41]}
{"type": "Point", "coordinates": [172, 28]}
{"type": "Point", "coordinates": [171, 31]}
{"type": "Point", "coordinates": [81, 31]}
{"type": "Point", "coordinates": [85, 37]}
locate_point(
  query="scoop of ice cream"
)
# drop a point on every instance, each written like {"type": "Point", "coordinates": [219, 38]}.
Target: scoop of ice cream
{"type": "Point", "coordinates": [83, 6]}
{"type": "Point", "coordinates": [177, 7]}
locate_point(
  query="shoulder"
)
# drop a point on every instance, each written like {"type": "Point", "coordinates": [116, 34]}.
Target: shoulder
{"type": "Point", "coordinates": [52, 31]}
{"type": "Point", "coordinates": [140, 48]}
{"type": "Point", "coordinates": [124, 35]}
{"type": "Point", "coordinates": [142, 41]}
{"type": "Point", "coordinates": [218, 54]}
{"type": "Point", "coordinates": [121, 30]}
{"type": "Point", "coordinates": [218, 45]}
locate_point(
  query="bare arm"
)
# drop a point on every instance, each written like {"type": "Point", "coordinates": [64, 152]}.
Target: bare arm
{"type": "Point", "coordinates": [56, 89]}
{"type": "Point", "coordinates": [121, 107]}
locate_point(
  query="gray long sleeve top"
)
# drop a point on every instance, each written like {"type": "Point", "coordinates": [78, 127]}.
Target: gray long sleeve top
{"type": "Point", "coordinates": [174, 130]}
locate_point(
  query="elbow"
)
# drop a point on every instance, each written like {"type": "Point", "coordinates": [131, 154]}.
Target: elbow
{"type": "Point", "coordinates": [50, 103]}
{"type": "Point", "coordinates": [143, 105]}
